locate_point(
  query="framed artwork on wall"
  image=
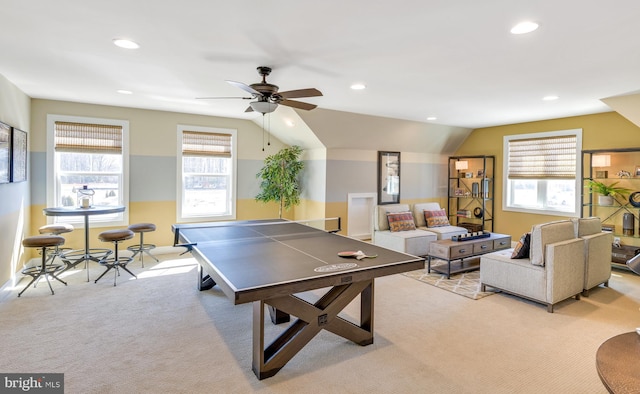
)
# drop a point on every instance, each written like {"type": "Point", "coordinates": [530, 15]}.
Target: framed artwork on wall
{"type": "Point", "coordinates": [388, 177]}
{"type": "Point", "coordinates": [5, 153]}
{"type": "Point", "coordinates": [18, 155]}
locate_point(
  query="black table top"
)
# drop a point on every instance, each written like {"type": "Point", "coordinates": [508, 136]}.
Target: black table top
{"type": "Point", "coordinates": [265, 258]}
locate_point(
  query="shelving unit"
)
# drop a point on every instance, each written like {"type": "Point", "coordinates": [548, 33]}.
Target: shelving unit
{"type": "Point", "coordinates": [471, 192]}
{"type": "Point", "coordinates": [608, 171]}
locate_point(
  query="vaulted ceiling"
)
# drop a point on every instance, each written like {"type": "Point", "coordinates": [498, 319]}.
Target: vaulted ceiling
{"type": "Point", "coordinates": [452, 60]}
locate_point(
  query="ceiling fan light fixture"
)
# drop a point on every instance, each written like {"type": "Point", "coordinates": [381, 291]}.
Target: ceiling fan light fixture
{"type": "Point", "coordinates": [124, 43]}
{"type": "Point", "coordinates": [264, 107]}
{"type": "Point", "coordinates": [524, 27]}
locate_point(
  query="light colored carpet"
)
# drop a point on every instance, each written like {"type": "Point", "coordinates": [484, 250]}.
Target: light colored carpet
{"type": "Point", "coordinates": [466, 284]}
{"type": "Point", "coordinates": [158, 334]}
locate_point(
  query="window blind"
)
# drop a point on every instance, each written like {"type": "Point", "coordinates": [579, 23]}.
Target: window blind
{"type": "Point", "coordinates": [195, 143]}
{"type": "Point", "coordinates": [542, 158]}
{"type": "Point", "coordinates": [87, 138]}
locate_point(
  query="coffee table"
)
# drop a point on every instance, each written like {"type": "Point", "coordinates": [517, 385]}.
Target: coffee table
{"type": "Point", "coordinates": [460, 255]}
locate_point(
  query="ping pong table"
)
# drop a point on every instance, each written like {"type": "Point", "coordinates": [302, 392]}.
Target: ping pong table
{"type": "Point", "coordinates": [268, 262]}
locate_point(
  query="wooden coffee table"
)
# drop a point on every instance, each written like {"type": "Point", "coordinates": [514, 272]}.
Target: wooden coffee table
{"type": "Point", "coordinates": [461, 255]}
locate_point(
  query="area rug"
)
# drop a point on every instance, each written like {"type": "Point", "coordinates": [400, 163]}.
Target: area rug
{"type": "Point", "coordinates": [466, 284]}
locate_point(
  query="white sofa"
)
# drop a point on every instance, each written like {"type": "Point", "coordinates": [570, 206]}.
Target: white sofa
{"type": "Point", "coordinates": [597, 252]}
{"type": "Point", "coordinates": [444, 232]}
{"type": "Point", "coordinates": [553, 272]}
{"type": "Point", "coordinates": [414, 242]}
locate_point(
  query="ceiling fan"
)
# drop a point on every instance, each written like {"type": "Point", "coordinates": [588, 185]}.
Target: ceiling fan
{"type": "Point", "coordinates": [267, 96]}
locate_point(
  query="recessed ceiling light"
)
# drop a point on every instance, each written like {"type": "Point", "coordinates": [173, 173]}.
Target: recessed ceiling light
{"type": "Point", "coordinates": [432, 118]}
{"type": "Point", "coordinates": [524, 27]}
{"type": "Point", "coordinates": [124, 43]}
{"type": "Point", "coordinates": [358, 86]}
{"type": "Point", "coordinates": [289, 123]}
{"type": "Point", "coordinates": [121, 91]}
{"type": "Point", "coordinates": [550, 98]}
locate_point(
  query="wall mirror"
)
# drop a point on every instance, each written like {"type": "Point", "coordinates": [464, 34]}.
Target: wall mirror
{"type": "Point", "coordinates": [388, 177]}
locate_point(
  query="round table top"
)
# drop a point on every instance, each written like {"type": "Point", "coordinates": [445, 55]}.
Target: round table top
{"type": "Point", "coordinates": [78, 211]}
{"type": "Point", "coordinates": [618, 363]}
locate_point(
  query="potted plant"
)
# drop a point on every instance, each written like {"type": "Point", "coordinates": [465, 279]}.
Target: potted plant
{"type": "Point", "coordinates": [607, 192]}
{"type": "Point", "coordinates": [280, 178]}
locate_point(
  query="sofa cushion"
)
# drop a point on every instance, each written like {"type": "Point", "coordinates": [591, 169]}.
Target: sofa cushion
{"type": "Point", "coordinates": [548, 233]}
{"type": "Point", "coordinates": [381, 223]}
{"type": "Point", "coordinates": [418, 212]}
{"type": "Point", "coordinates": [414, 242]}
{"type": "Point", "coordinates": [521, 251]}
{"type": "Point", "coordinates": [437, 218]}
{"type": "Point", "coordinates": [587, 226]}
{"type": "Point", "coordinates": [401, 221]}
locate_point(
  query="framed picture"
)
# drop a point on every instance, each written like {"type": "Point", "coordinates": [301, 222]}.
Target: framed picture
{"type": "Point", "coordinates": [468, 175]}
{"type": "Point", "coordinates": [637, 172]}
{"type": "Point", "coordinates": [18, 155]}
{"type": "Point", "coordinates": [458, 192]}
{"type": "Point", "coordinates": [5, 153]}
{"type": "Point", "coordinates": [480, 173]}
{"type": "Point", "coordinates": [388, 177]}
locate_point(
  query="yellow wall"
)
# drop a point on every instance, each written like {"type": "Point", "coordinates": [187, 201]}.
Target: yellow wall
{"type": "Point", "coordinates": [599, 131]}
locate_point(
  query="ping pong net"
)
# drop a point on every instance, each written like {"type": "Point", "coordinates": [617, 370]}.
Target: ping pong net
{"type": "Point", "coordinates": [249, 229]}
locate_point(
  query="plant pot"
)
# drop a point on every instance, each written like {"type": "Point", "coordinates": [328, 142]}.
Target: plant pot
{"type": "Point", "coordinates": [605, 200]}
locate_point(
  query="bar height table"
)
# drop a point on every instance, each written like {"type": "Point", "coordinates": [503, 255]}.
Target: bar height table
{"type": "Point", "coordinates": [85, 255]}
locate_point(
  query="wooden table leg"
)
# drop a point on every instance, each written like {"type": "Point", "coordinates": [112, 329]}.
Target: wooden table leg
{"type": "Point", "coordinates": [312, 318]}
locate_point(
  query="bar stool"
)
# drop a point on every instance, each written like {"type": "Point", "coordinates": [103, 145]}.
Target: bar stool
{"type": "Point", "coordinates": [56, 229]}
{"type": "Point", "coordinates": [142, 247]}
{"type": "Point", "coordinates": [43, 242]}
{"type": "Point", "coordinates": [116, 262]}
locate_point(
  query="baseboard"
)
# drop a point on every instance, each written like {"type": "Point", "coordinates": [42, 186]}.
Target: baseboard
{"type": "Point", "coordinates": [10, 285]}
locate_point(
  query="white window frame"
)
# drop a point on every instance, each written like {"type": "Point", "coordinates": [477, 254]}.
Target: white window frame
{"type": "Point", "coordinates": [578, 179]}
{"type": "Point", "coordinates": [180, 218]}
{"type": "Point", "coordinates": [122, 219]}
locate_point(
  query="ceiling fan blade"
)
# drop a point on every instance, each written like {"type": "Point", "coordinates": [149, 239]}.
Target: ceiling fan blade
{"type": "Point", "coordinates": [297, 104]}
{"type": "Point", "coordinates": [249, 109]}
{"type": "Point", "coordinates": [311, 92]}
{"type": "Point", "coordinates": [226, 98]}
{"type": "Point", "coordinates": [245, 87]}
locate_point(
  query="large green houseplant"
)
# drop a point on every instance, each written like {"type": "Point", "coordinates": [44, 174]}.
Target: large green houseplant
{"type": "Point", "coordinates": [607, 191]}
{"type": "Point", "coordinates": [279, 176]}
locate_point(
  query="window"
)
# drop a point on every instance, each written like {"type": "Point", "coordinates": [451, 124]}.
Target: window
{"type": "Point", "coordinates": [541, 172]}
{"type": "Point", "coordinates": [206, 174]}
{"type": "Point", "coordinates": [88, 152]}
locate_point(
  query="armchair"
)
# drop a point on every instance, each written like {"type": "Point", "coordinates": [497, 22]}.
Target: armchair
{"type": "Point", "coordinates": [552, 272]}
{"type": "Point", "coordinates": [597, 252]}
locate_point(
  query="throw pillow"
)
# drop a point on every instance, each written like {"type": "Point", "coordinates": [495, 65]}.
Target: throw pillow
{"type": "Point", "coordinates": [400, 221]}
{"type": "Point", "coordinates": [521, 251]}
{"type": "Point", "coordinates": [437, 218]}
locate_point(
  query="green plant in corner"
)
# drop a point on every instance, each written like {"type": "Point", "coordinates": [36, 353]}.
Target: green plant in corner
{"type": "Point", "coordinates": [280, 178]}
{"type": "Point", "coordinates": [607, 190]}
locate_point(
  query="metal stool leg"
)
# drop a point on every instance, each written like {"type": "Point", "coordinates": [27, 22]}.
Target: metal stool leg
{"type": "Point", "coordinates": [117, 262]}
{"type": "Point", "coordinates": [141, 249]}
{"type": "Point", "coordinates": [44, 270]}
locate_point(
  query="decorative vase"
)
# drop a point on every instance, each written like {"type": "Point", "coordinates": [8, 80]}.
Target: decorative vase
{"type": "Point", "coordinates": [605, 200]}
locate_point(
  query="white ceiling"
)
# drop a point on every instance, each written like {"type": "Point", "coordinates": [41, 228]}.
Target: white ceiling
{"type": "Point", "coordinates": [453, 59]}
